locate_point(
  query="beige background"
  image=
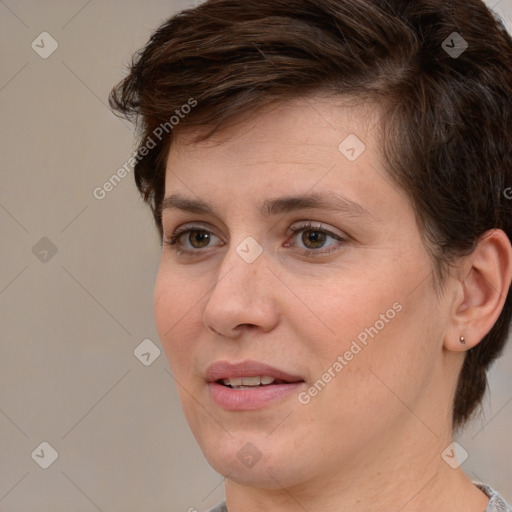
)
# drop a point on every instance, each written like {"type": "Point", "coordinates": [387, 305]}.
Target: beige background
{"type": "Point", "coordinates": [70, 321]}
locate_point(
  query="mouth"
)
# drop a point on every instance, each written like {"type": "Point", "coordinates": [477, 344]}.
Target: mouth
{"type": "Point", "coordinates": [249, 385]}
{"type": "Point", "coordinates": [251, 382]}
{"type": "Point", "coordinates": [248, 373]}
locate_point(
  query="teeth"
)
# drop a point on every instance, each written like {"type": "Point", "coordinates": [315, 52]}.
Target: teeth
{"type": "Point", "coordinates": [235, 381]}
{"type": "Point", "coordinates": [245, 382]}
{"type": "Point", "coordinates": [251, 381]}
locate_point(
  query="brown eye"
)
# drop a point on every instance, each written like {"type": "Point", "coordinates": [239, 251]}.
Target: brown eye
{"type": "Point", "coordinates": [198, 239]}
{"type": "Point", "coordinates": [313, 238]}
{"type": "Point", "coordinates": [191, 239]}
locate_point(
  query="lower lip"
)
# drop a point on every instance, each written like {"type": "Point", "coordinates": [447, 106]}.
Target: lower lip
{"type": "Point", "coordinates": [249, 399]}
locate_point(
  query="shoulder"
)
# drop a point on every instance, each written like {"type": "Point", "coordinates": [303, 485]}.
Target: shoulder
{"type": "Point", "coordinates": [496, 502]}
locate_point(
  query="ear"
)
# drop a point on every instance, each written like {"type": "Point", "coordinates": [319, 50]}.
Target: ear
{"type": "Point", "coordinates": [484, 281]}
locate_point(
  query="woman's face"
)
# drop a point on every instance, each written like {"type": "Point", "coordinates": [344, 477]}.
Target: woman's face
{"type": "Point", "coordinates": [344, 308]}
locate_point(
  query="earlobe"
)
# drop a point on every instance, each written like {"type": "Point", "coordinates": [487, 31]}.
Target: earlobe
{"type": "Point", "coordinates": [484, 289]}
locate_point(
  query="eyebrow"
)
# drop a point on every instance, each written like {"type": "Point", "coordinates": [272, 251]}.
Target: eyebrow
{"type": "Point", "coordinates": [329, 201]}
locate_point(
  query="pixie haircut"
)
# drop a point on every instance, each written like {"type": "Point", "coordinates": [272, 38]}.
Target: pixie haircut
{"type": "Point", "coordinates": [445, 123]}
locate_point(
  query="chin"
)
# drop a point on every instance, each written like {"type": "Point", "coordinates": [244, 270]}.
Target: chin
{"type": "Point", "coordinates": [262, 475]}
{"type": "Point", "coordinates": [270, 467]}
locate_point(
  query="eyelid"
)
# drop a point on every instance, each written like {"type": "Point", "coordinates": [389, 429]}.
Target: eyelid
{"type": "Point", "coordinates": [312, 225]}
{"type": "Point", "coordinates": [296, 228]}
{"type": "Point", "coordinates": [183, 230]}
{"type": "Point", "coordinates": [192, 227]}
{"type": "Point", "coordinates": [201, 226]}
{"type": "Point", "coordinates": [205, 226]}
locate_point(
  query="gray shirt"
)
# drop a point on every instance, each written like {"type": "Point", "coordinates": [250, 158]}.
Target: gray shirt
{"type": "Point", "coordinates": [496, 502]}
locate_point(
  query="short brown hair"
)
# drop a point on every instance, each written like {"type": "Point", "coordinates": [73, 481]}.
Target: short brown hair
{"type": "Point", "coordinates": [446, 123]}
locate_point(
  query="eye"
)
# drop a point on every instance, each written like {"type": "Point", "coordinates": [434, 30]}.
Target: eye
{"type": "Point", "coordinates": [314, 237]}
{"type": "Point", "coordinates": [194, 239]}
{"type": "Point", "coordinates": [190, 239]}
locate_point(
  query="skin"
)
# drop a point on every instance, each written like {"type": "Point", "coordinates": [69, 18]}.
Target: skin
{"type": "Point", "coordinates": [372, 438]}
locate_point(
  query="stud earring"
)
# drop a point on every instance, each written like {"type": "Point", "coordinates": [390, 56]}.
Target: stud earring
{"type": "Point", "coordinates": [463, 340]}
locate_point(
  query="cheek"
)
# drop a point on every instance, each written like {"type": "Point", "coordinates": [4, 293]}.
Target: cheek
{"type": "Point", "coordinates": [373, 321]}
{"type": "Point", "coordinates": [354, 308]}
{"type": "Point", "coordinates": [389, 344]}
{"type": "Point", "coordinates": [175, 309]}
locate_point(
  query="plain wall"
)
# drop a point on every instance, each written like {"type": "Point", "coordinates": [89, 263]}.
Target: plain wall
{"type": "Point", "coordinates": [70, 321]}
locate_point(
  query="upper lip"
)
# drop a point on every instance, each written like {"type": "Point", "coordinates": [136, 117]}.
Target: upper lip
{"type": "Point", "coordinates": [225, 370]}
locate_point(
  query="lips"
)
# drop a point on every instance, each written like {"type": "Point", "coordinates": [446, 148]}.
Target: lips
{"type": "Point", "coordinates": [223, 376]}
{"type": "Point", "coordinates": [226, 370]}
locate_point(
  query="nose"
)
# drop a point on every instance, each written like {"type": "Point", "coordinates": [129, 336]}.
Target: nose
{"type": "Point", "coordinates": [242, 297]}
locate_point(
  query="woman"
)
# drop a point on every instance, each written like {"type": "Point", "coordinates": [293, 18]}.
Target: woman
{"type": "Point", "coordinates": [329, 179]}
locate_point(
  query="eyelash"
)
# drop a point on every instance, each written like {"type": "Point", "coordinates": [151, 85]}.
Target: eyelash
{"type": "Point", "coordinates": [173, 241]}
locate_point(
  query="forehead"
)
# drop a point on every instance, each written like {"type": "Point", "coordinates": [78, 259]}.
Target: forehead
{"type": "Point", "coordinates": [316, 144]}
{"type": "Point", "coordinates": [299, 130]}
